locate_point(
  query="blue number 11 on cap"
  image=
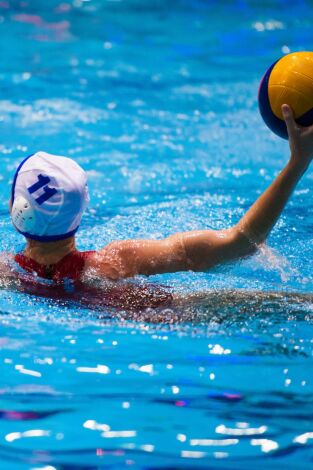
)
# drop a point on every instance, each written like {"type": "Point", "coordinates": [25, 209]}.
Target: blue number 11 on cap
{"type": "Point", "coordinates": [48, 192]}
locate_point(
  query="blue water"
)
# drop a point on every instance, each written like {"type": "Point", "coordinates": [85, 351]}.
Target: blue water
{"type": "Point", "coordinates": [157, 101]}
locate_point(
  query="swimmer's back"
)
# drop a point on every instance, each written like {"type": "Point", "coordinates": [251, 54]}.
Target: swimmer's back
{"type": "Point", "coordinates": [71, 266]}
{"type": "Point", "coordinates": [75, 266]}
{"type": "Point", "coordinates": [112, 262]}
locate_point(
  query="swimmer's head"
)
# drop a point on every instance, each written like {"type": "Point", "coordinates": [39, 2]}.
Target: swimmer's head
{"type": "Point", "coordinates": [48, 198]}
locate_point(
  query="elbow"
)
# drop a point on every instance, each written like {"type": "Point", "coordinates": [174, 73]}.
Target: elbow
{"type": "Point", "coordinates": [241, 244]}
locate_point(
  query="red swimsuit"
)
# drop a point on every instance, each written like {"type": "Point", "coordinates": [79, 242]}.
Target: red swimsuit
{"type": "Point", "coordinates": [67, 274]}
{"type": "Point", "coordinates": [69, 267]}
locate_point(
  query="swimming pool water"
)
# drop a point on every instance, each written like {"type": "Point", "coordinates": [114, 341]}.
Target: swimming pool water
{"type": "Point", "coordinates": [157, 101]}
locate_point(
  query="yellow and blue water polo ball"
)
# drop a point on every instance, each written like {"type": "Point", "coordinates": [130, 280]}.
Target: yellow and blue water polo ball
{"type": "Point", "coordinates": [289, 80]}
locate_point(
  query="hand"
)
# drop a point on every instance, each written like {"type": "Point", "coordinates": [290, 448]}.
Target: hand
{"type": "Point", "coordinates": [300, 138]}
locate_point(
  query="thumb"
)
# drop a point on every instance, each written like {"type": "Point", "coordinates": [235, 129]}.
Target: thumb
{"type": "Point", "coordinates": [289, 119]}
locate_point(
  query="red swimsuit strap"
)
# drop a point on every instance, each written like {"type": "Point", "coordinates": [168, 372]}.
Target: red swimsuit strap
{"type": "Point", "coordinates": [70, 266]}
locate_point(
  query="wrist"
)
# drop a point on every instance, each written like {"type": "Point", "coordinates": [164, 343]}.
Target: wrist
{"type": "Point", "coordinates": [297, 164]}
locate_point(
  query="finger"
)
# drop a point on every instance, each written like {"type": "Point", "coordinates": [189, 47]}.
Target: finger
{"type": "Point", "coordinates": [289, 119]}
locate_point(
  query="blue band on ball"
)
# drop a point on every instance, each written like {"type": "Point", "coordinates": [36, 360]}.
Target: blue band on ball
{"type": "Point", "coordinates": [306, 119]}
{"type": "Point", "coordinates": [273, 122]}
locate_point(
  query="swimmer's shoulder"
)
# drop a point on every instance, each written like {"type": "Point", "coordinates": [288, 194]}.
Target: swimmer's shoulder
{"type": "Point", "coordinates": [113, 261]}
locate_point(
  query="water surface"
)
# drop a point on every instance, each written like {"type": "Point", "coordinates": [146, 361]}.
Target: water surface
{"type": "Point", "coordinates": [157, 101]}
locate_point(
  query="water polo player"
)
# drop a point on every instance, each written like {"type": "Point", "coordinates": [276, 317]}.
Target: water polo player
{"type": "Point", "coordinates": [49, 196]}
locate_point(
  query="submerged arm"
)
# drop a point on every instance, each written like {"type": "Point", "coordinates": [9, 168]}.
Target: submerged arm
{"type": "Point", "coordinates": [203, 249]}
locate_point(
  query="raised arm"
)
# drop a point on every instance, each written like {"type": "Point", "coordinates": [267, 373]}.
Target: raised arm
{"type": "Point", "coordinates": [203, 249]}
{"type": "Point", "coordinates": [257, 223]}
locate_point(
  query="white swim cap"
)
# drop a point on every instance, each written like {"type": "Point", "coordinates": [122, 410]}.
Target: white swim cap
{"type": "Point", "coordinates": [49, 196]}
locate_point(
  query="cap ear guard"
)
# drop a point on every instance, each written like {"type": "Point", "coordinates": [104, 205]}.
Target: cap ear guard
{"type": "Point", "coordinates": [22, 214]}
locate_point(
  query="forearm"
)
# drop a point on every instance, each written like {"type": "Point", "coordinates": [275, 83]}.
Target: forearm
{"type": "Point", "coordinates": [257, 223]}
